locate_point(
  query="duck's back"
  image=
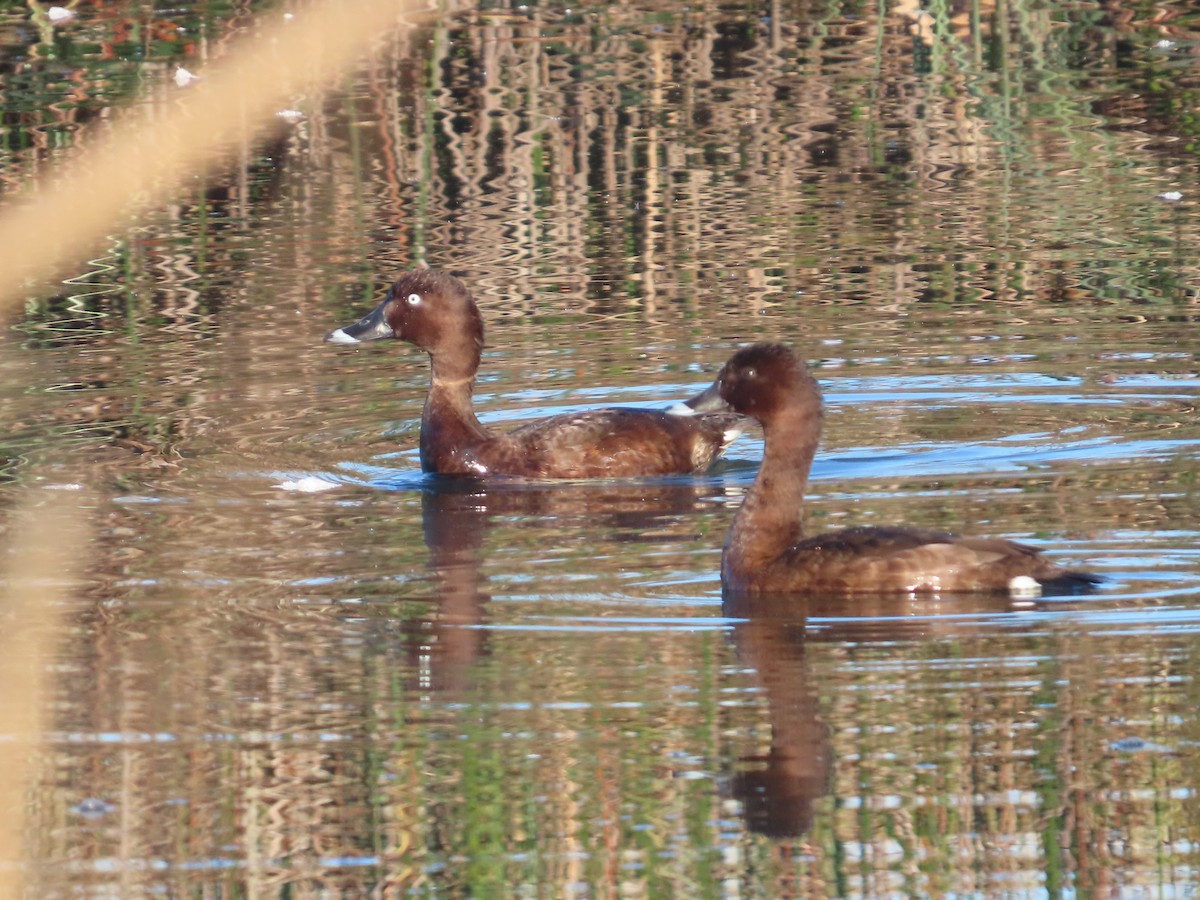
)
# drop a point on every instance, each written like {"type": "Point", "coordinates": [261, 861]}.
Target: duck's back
{"type": "Point", "coordinates": [914, 560]}
{"type": "Point", "coordinates": [616, 442]}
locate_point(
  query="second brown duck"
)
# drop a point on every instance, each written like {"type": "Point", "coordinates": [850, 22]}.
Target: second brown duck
{"type": "Point", "coordinates": [766, 549]}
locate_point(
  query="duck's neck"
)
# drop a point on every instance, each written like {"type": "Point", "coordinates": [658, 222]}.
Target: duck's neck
{"type": "Point", "coordinates": [448, 422]}
{"type": "Point", "coordinates": [771, 518]}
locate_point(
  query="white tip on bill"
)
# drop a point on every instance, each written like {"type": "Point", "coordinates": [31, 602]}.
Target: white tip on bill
{"type": "Point", "coordinates": [340, 337]}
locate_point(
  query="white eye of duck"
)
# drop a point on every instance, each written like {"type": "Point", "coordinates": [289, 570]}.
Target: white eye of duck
{"type": "Point", "coordinates": [751, 372]}
{"type": "Point", "coordinates": [414, 299]}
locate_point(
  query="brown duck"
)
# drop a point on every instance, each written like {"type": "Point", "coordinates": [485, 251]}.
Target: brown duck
{"type": "Point", "coordinates": [436, 312]}
{"type": "Point", "coordinates": [766, 549]}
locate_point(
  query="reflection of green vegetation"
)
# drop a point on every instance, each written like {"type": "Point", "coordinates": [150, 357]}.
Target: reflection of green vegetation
{"type": "Point", "coordinates": [1029, 71]}
{"type": "Point", "coordinates": [72, 73]}
{"type": "Point", "coordinates": [1049, 783]}
{"type": "Point", "coordinates": [502, 809]}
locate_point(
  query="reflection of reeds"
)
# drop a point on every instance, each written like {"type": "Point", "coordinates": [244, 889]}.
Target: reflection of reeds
{"type": "Point", "coordinates": [675, 153]}
{"type": "Point", "coordinates": [147, 155]}
{"type": "Point", "coordinates": [46, 555]}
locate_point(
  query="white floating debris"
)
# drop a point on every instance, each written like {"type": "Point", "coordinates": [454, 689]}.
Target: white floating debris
{"type": "Point", "coordinates": [288, 17]}
{"type": "Point", "coordinates": [59, 14]}
{"type": "Point", "coordinates": [1164, 44]}
{"type": "Point", "coordinates": [309, 484]}
{"type": "Point", "coordinates": [67, 486]}
{"type": "Point", "coordinates": [1023, 586]}
{"type": "Point", "coordinates": [1171, 196]}
{"type": "Point", "coordinates": [184, 78]}
{"type": "Point", "coordinates": [291, 116]}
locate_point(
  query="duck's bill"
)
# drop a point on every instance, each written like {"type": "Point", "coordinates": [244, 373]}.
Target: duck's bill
{"type": "Point", "coordinates": [370, 327]}
{"type": "Point", "coordinates": [709, 400]}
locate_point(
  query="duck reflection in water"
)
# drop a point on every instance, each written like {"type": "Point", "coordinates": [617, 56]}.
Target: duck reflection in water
{"type": "Point", "coordinates": [774, 636]}
{"type": "Point", "coordinates": [453, 527]}
{"type": "Point", "coordinates": [457, 515]}
{"type": "Point", "coordinates": [777, 789]}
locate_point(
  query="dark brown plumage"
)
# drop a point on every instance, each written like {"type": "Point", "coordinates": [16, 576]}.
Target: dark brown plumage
{"type": "Point", "coordinates": [766, 550]}
{"type": "Point", "coordinates": [436, 312]}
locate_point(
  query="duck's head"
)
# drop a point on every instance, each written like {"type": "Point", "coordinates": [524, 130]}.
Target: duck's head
{"type": "Point", "coordinates": [763, 381]}
{"type": "Point", "coordinates": [431, 309]}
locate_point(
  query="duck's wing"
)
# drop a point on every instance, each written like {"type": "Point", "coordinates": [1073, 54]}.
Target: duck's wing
{"type": "Point", "coordinates": [619, 442]}
{"type": "Point", "coordinates": [926, 560]}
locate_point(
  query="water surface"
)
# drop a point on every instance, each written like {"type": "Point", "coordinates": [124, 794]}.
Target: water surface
{"type": "Point", "coordinates": [964, 217]}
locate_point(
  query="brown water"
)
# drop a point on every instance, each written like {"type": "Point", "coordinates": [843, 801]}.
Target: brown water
{"type": "Point", "coordinates": [401, 686]}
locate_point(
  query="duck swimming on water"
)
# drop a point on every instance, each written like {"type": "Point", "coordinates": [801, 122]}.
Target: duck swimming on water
{"type": "Point", "coordinates": [766, 549]}
{"type": "Point", "coordinates": [435, 311]}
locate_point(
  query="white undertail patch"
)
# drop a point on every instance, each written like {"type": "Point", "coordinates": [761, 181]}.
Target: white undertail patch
{"type": "Point", "coordinates": [1024, 587]}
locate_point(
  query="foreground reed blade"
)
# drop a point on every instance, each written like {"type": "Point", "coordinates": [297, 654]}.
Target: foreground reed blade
{"type": "Point", "coordinates": [148, 153]}
{"type": "Point", "coordinates": [40, 579]}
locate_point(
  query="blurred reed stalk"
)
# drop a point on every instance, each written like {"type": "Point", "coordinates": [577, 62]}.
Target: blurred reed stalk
{"type": "Point", "coordinates": [149, 152]}
{"type": "Point", "coordinates": [50, 541]}
{"type": "Point", "coordinates": [135, 166]}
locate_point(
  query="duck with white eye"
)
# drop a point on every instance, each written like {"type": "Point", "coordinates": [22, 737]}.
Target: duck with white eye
{"type": "Point", "coordinates": [370, 327]}
{"type": "Point", "coordinates": [436, 312]}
